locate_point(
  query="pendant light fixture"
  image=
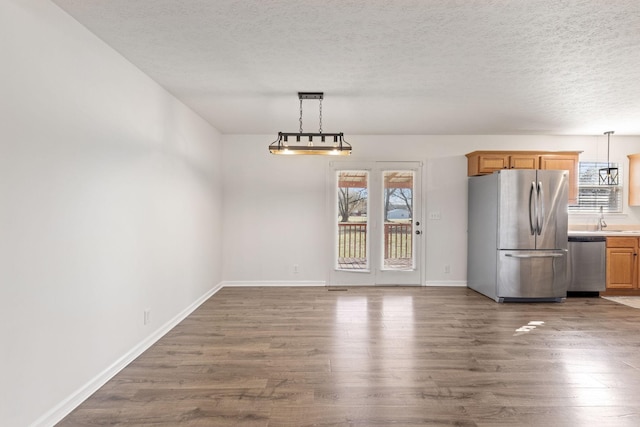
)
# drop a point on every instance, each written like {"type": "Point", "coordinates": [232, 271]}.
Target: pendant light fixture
{"type": "Point", "coordinates": [608, 175]}
{"type": "Point", "coordinates": [330, 144]}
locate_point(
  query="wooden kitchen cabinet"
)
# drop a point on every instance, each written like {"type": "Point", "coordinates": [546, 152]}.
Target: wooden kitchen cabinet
{"type": "Point", "coordinates": [524, 161]}
{"type": "Point", "coordinates": [622, 266]}
{"type": "Point", "coordinates": [491, 162]}
{"type": "Point", "coordinates": [486, 162]}
{"type": "Point", "coordinates": [564, 162]}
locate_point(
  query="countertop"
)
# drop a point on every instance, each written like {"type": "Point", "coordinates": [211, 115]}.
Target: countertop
{"type": "Point", "coordinates": [611, 232]}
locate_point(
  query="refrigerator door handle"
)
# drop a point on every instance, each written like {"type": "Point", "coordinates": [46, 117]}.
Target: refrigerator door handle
{"type": "Point", "coordinates": [540, 209]}
{"type": "Point", "coordinates": [555, 255]}
{"type": "Point", "coordinates": [532, 207]}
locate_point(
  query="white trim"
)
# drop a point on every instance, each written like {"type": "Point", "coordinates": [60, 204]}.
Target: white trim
{"type": "Point", "coordinates": [273, 283]}
{"type": "Point", "coordinates": [448, 283]}
{"type": "Point", "coordinates": [64, 408]}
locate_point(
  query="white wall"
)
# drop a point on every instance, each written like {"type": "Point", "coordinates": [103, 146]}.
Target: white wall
{"type": "Point", "coordinates": [275, 211]}
{"type": "Point", "coordinates": [110, 203]}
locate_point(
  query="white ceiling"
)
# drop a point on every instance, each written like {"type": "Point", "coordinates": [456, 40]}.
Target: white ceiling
{"type": "Point", "coordinates": [387, 67]}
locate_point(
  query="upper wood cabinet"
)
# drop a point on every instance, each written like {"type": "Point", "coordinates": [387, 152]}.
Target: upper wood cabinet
{"type": "Point", "coordinates": [486, 162]}
{"type": "Point", "coordinates": [524, 161]}
{"type": "Point", "coordinates": [564, 162]}
{"type": "Point", "coordinates": [634, 179]}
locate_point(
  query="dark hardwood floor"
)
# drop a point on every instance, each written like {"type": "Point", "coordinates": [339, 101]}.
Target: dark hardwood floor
{"type": "Point", "coordinates": [388, 356]}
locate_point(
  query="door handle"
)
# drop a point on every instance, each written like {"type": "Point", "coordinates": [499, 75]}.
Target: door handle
{"type": "Point", "coordinates": [540, 209]}
{"type": "Point", "coordinates": [418, 232]}
{"type": "Point", "coordinates": [535, 255]}
{"type": "Point", "coordinates": [533, 209]}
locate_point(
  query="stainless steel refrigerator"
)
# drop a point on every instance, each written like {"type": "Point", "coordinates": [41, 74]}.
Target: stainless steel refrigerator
{"type": "Point", "coordinates": [517, 235]}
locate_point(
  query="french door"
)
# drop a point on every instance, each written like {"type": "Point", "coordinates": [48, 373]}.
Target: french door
{"type": "Point", "coordinates": [376, 223]}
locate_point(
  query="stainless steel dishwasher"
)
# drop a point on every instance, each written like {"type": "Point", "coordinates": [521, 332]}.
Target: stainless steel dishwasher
{"type": "Point", "coordinates": [587, 263]}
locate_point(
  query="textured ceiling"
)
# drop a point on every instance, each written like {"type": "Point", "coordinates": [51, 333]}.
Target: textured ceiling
{"type": "Point", "coordinates": [387, 67]}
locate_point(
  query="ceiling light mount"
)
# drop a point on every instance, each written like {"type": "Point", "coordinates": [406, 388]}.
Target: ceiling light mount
{"type": "Point", "coordinates": [310, 95]}
{"type": "Point", "coordinates": [338, 146]}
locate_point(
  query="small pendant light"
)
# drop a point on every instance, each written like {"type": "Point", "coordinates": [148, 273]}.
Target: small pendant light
{"type": "Point", "coordinates": [608, 175]}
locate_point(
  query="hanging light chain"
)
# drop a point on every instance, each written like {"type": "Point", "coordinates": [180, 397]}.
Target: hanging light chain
{"type": "Point", "coordinates": [300, 115]}
{"type": "Point", "coordinates": [608, 133]}
{"type": "Point", "coordinates": [320, 115]}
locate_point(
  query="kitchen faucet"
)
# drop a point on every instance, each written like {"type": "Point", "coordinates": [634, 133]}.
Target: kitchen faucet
{"type": "Point", "coordinates": [601, 222]}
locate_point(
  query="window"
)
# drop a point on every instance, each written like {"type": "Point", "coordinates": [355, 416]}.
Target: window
{"type": "Point", "coordinates": [592, 195]}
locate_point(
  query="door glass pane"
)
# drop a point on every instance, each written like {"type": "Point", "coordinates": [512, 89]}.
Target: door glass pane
{"type": "Point", "coordinates": [353, 222]}
{"type": "Point", "coordinates": [397, 199]}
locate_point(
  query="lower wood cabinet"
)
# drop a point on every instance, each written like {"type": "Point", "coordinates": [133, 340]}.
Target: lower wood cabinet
{"type": "Point", "coordinates": [622, 266]}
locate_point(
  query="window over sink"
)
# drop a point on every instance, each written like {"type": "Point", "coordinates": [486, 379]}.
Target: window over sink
{"type": "Point", "coordinates": [592, 195]}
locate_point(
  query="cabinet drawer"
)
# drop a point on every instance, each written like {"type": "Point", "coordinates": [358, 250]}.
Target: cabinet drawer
{"type": "Point", "coordinates": [622, 242]}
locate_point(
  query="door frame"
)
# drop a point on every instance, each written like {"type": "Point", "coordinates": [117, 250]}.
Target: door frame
{"type": "Point", "coordinates": [375, 275]}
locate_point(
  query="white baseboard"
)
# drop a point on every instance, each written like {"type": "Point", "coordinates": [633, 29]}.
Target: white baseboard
{"type": "Point", "coordinates": [448, 283]}
{"type": "Point", "coordinates": [65, 407]}
{"type": "Point", "coordinates": [273, 283]}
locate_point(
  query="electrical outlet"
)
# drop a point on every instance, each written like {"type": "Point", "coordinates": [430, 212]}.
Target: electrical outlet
{"type": "Point", "coordinates": [296, 268]}
{"type": "Point", "coordinates": [447, 268]}
{"type": "Point", "coordinates": [147, 316]}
